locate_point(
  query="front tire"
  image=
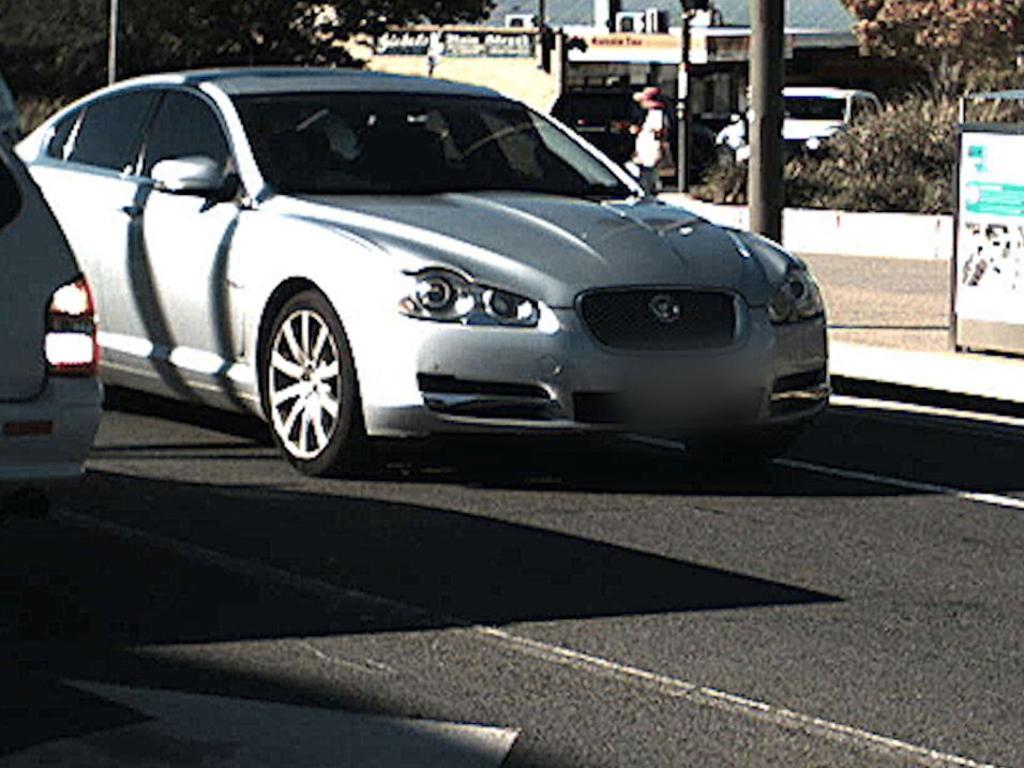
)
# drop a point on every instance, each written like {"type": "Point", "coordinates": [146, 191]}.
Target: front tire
{"type": "Point", "coordinates": [309, 389]}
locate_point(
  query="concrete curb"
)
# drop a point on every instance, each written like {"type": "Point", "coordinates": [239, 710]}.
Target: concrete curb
{"type": "Point", "coordinates": [961, 381]}
{"type": "Point", "coordinates": [844, 233]}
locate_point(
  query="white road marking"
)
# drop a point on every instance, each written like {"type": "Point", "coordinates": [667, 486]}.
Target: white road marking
{"type": "Point", "coordinates": [991, 499]}
{"type": "Point", "coordinates": [991, 423]}
{"type": "Point", "coordinates": [667, 685]}
{"type": "Point", "coordinates": [730, 702]}
{"type": "Point", "coordinates": [978, 497]}
{"type": "Point", "coordinates": [367, 665]}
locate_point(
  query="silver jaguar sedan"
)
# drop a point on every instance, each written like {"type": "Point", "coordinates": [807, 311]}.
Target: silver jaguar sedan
{"type": "Point", "coordinates": [351, 254]}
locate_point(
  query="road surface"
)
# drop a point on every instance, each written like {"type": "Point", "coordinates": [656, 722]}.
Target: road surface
{"type": "Point", "coordinates": [858, 603]}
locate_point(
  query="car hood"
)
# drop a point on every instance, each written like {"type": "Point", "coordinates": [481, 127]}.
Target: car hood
{"type": "Point", "coordinates": [547, 247]}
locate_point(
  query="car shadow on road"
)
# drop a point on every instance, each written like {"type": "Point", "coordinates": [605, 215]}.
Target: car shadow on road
{"type": "Point", "coordinates": [928, 448]}
{"type": "Point", "coordinates": [139, 563]}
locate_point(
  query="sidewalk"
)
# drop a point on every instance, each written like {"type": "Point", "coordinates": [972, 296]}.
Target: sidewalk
{"type": "Point", "coordinates": [889, 328]}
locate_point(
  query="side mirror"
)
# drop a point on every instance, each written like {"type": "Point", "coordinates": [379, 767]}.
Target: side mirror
{"type": "Point", "coordinates": [194, 175]}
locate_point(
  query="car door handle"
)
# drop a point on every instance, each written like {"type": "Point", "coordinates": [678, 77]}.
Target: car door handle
{"type": "Point", "coordinates": [132, 210]}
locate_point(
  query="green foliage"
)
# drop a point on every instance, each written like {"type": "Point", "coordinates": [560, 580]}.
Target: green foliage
{"type": "Point", "coordinates": [34, 109]}
{"type": "Point", "coordinates": [901, 159]}
{"type": "Point", "coordinates": [724, 184]}
{"type": "Point", "coordinates": [946, 37]}
{"type": "Point", "coordinates": [59, 48]}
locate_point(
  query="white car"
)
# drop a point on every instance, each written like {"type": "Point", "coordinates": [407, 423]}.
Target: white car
{"type": "Point", "coordinates": [811, 117]}
{"type": "Point", "coordinates": [350, 254]}
{"type": "Point", "coordinates": [50, 396]}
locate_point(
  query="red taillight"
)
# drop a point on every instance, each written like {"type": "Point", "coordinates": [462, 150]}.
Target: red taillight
{"type": "Point", "coordinates": [71, 346]}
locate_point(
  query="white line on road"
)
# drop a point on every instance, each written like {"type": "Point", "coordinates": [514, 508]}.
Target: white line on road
{"type": "Point", "coordinates": [979, 497]}
{"type": "Point", "coordinates": [730, 702]}
{"type": "Point", "coordinates": [990, 424]}
{"type": "Point", "coordinates": [992, 499]}
{"type": "Point", "coordinates": [693, 692]}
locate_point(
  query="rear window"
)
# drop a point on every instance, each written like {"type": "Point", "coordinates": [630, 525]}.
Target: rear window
{"type": "Point", "coordinates": [815, 108]}
{"type": "Point", "coordinates": [110, 132]}
{"type": "Point", "coordinates": [10, 195]}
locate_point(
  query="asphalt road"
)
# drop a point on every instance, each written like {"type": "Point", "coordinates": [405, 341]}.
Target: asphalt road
{"type": "Point", "coordinates": [858, 604]}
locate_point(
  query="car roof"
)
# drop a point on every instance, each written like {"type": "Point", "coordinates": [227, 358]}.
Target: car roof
{"type": "Point", "coordinates": [268, 80]}
{"type": "Point", "coordinates": [824, 92]}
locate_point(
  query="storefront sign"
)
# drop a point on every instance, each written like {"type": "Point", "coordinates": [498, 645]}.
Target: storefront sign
{"type": "Point", "coordinates": [458, 43]}
{"type": "Point", "coordinates": [403, 44]}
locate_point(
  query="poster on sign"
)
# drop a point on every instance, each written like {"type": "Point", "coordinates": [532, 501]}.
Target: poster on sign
{"type": "Point", "coordinates": [989, 258]}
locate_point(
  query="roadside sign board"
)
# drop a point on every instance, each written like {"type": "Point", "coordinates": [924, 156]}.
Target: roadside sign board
{"type": "Point", "coordinates": [988, 268]}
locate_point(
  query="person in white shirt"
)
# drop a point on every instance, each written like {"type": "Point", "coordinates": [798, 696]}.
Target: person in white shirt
{"type": "Point", "coordinates": [650, 138]}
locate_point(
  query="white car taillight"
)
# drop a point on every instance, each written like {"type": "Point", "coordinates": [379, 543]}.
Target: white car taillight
{"type": "Point", "coordinates": [71, 347]}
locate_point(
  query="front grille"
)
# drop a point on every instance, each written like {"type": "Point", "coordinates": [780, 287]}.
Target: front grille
{"type": "Point", "coordinates": [652, 319]}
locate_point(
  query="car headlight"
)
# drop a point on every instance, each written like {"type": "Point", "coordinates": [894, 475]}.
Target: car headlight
{"type": "Point", "coordinates": [798, 298]}
{"type": "Point", "coordinates": [446, 296]}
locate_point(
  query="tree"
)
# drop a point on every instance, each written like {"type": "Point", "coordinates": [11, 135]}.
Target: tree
{"type": "Point", "coordinates": [58, 48]}
{"type": "Point", "coordinates": [942, 36]}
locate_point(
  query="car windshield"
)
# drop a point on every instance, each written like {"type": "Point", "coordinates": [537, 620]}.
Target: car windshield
{"type": "Point", "coordinates": [815, 108]}
{"type": "Point", "coordinates": [405, 143]}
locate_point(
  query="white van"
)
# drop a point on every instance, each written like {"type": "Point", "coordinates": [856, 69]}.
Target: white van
{"type": "Point", "coordinates": [811, 117]}
{"type": "Point", "coordinates": [50, 396]}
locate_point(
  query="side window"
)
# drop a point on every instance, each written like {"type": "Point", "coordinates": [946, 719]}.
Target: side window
{"type": "Point", "coordinates": [110, 131]}
{"type": "Point", "coordinates": [10, 195]}
{"type": "Point", "coordinates": [58, 147]}
{"type": "Point", "coordinates": [184, 126]}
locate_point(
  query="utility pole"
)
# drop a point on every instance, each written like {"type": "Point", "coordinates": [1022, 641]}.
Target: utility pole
{"type": "Point", "coordinates": [112, 43]}
{"type": "Point", "coordinates": [765, 187]}
{"type": "Point", "coordinates": [683, 104]}
{"type": "Point", "coordinates": [544, 36]}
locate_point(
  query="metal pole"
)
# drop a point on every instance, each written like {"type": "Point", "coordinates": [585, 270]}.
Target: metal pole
{"type": "Point", "coordinates": [112, 43]}
{"type": "Point", "coordinates": [543, 36]}
{"type": "Point", "coordinates": [683, 106]}
{"type": "Point", "coordinates": [765, 186]}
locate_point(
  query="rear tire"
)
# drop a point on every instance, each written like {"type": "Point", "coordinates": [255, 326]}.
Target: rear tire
{"type": "Point", "coordinates": [309, 388]}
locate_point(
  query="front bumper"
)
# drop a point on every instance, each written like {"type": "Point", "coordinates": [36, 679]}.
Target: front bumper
{"type": "Point", "coordinates": [558, 378]}
{"type": "Point", "coordinates": [44, 441]}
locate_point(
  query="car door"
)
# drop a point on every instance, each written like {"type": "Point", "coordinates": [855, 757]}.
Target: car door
{"type": "Point", "coordinates": [184, 251]}
{"type": "Point", "coordinates": [88, 175]}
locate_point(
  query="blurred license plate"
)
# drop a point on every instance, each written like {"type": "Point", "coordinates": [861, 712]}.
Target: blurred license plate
{"type": "Point", "coordinates": [679, 397]}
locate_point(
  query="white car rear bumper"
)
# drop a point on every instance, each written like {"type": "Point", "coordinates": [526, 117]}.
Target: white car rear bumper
{"type": "Point", "coordinates": [45, 441]}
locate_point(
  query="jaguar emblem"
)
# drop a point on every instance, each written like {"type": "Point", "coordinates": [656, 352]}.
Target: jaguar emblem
{"type": "Point", "coordinates": [665, 309]}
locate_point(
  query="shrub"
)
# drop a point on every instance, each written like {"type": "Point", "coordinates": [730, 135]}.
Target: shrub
{"type": "Point", "coordinates": [901, 159]}
{"type": "Point", "coordinates": [35, 109]}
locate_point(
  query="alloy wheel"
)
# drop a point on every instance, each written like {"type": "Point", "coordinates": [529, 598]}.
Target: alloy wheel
{"type": "Point", "coordinates": [305, 382]}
